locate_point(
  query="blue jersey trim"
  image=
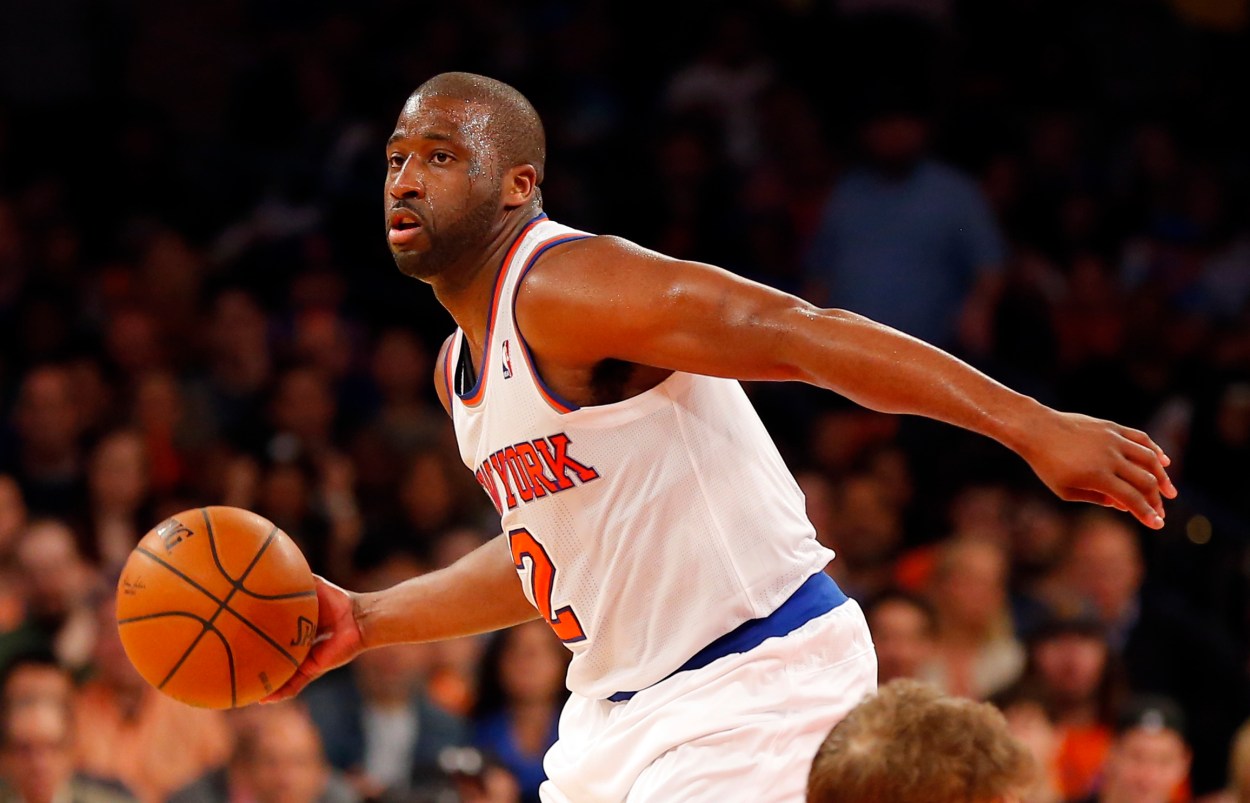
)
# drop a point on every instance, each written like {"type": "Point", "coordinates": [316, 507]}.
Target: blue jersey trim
{"type": "Point", "coordinates": [472, 397]}
{"type": "Point", "coordinates": [556, 401]}
{"type": "Point", "coordinates": [818, 595]}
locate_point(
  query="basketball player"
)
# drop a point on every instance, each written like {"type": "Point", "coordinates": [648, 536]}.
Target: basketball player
{"type": "Point", "coordinates": [654, 526]}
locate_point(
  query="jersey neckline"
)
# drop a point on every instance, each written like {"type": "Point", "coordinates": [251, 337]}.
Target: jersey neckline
{"type": "Point", "coordinates": [476, 393]}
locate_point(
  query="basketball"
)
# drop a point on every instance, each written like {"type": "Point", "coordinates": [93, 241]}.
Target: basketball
{"type": "Point", "coordinates": [216, 607]}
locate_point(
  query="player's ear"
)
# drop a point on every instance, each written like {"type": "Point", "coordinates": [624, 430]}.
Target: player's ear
{"type": "Point", "coordinates": [519, 185]}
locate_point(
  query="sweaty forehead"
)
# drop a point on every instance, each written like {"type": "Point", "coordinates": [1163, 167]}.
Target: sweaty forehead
{"type": "Point", "coordinates": [440, 116]}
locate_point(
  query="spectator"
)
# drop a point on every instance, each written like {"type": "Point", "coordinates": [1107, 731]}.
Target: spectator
{"type": "Point", "coordinates": [377, 721]}
{"type": "Point", "coordinates": [866, 533]}
{"type": "Point", "coordinates": [903, 629]}
{"type": "Point", "coordinates": [277, 758]}
{"type": "Point", "coordinates": [725, 84]}
{"type": "Point", "coordinates": [57, 585]}
{"type": "Point", "coordinates": [1079, 681]}
{"type": "Point", "coordinates": [519, 701]}
{"type": "Point", "coordinates": [900, 219]}
{"type": "Point", "coordinates": [1165, 646]}
{"type": "Point", "coordinates": [35, 677]}
{"type": "Point", "coordinates": [910, 744]}
{"type": "Point", "coordinates": [37, 758]}
{"type": "Point", "coordinates": [48, 459]}
{"type": "Point", "coordinates": [119, 511]}
{"type": "Point", "coordinates": [976, 651]}
{"type": "Point", "coordinates": [125, 727]}
{"type": "Point", "coordinates": [1149, 758]}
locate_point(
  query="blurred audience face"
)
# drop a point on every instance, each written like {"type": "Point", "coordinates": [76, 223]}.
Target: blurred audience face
{"type": "Point", "coordinates": [36, 751]}
{"type": "Point", "coordinates": [112, 666]}
{"type": "Point", "coordinates": [322, 339]}
{"type": "Point", "coordinates": [1039, 538]}
{"type": "Point", "coordinates": [238, 328]}
{"type": "Point", "coordinates": [401, 366]}
{"type": "Point", "coordinates": [284, 492]}
{"type": "Point", "coordinates": [894, 143]}
{"type": "Point", "coordinates": [118, 473]}
{"type": "Point", "coordinates": [868, 527]}
{"type": "Point", "coordinates": [55, 574]}
{"type": "Point", "coordinates": [903, 634]}
{"type": "Point", "coordinates": [388, 677]}
{"type": "Point", "coordinates": [304, 406]}
{"type": "Point", "coordinates": [46, 416]}
{"type": "Point", "coordinates": [1071, 666]}
{"type": "Point", "coordinates": [426, 492]}
{"type": "Point", "coordinates": [36, 682]}
{"type": "Point", "coordinates": [12, 515]}
{"type": "Point", "coordinates": [970, 585]}
{"type": "Point", "coordinates": [1145, 766]}
{"type": "Point", "coordinates": [158, 404]}
{"type": "Point", "coordinates": [455, 544]}
{"type": "Point", "coordinates": [133, 341]}
{"type": "Point", "coordinates": [282, 759]}
{"type": "Point", "coordinates": [1105, 565]}
{"type": "Point", "coordinates": [982, 511]}
{"type": "Point", "coordinates": [532, 664]}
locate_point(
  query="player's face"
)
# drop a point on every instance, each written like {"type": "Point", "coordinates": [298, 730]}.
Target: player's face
{"type": "Point", "coordinates": [442, 195]}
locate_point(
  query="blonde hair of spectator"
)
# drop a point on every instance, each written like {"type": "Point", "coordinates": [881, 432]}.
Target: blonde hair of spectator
{"type": "Point", "coordinates": [911, 744]}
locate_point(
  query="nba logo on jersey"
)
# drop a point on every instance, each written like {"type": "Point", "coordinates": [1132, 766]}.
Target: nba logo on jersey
{"type": "Point", "coordinates": [507, 361]}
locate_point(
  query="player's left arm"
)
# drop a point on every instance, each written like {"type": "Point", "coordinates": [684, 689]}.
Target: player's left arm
{"type": "Point", "coordinates": [653, 310]}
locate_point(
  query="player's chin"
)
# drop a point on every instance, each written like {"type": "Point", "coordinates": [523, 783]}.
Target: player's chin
{"type": "Point", "coordinates": [410, 263]}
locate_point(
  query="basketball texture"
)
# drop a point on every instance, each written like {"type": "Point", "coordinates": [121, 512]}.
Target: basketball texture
{"type": "Point", "coordinates": [216, 607]}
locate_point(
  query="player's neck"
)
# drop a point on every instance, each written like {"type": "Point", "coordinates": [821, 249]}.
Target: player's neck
{"type": "Point", "coordinates": [466, 292]}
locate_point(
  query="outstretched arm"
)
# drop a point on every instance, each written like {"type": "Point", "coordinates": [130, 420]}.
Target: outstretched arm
{"type": "Point", "coordinates": [686, 316]}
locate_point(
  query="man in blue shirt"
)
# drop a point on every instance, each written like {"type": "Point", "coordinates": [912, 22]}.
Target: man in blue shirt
{"type": "Point", "coordinates": [908, 241]}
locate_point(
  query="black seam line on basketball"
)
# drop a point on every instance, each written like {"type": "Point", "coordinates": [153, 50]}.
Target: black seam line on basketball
{"type": "Point", "coordinates": [212, 546]}
{"type": "Point", "coordinates": [234, 691]}
{"type": "Point", "coordinates": [226, 644]}
{"type": "Point", "coordinates": [221, 606]}
{"type": "Point", "coordinates": [267, 638]}
{"type": "Point", "coordinates": [145, 617]}
{"type": "Point", "coordinates": [238, 584]}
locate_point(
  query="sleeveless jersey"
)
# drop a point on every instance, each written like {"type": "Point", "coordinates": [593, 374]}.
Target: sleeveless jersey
{"type": "Point", "coordinates": [642, 530]}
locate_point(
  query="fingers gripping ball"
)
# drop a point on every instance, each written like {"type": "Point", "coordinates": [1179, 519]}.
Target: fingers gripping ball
{"type": "Point", "coordinates": [216, 607]}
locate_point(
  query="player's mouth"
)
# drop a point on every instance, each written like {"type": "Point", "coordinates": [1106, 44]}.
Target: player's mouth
{"type": "Point", "coordinates": [402, 227]}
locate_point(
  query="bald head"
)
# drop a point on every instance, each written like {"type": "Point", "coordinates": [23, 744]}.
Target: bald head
{"type": "Point", "coordinates": [510, 124]}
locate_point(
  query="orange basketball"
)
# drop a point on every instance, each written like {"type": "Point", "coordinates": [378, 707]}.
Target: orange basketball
{"type": "Point", "coordinates": [216, 607]}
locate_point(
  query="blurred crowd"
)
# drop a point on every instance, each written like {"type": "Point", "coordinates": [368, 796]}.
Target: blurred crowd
{"type": "Point", "coordinates": [197, 307]}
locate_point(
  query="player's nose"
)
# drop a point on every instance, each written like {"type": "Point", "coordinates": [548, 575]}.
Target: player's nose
{"type": "Point", "coordinates": [406, 183]}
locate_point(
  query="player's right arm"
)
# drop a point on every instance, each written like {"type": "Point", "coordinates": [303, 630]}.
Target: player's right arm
{"type": "Point", "coordinates": [476, 594]}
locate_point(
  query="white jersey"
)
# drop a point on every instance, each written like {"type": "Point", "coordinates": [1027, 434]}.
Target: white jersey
{"type": "Point", "coordinates": [642, 530]}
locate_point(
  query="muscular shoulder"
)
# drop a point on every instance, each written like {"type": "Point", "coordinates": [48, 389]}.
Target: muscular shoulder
{"type": "Point", "coordinates": [580, 295]}
{"type": "Point", "coordinates": [590, 264]}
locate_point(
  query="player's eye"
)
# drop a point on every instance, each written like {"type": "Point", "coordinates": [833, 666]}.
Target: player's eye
{"type": "Point", "coordinates": [441, 158]}
{"type": "Point", "coordinates": [395, 161]}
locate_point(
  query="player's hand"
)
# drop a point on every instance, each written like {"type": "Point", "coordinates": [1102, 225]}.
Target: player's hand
{"type": "Point", "coordinates": [1085, 459]}
{"type": "Point", "coordinates": [337, 641]}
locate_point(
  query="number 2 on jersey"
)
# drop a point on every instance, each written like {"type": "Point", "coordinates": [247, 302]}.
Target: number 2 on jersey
{"type": "Point", "coordinates": [542, 583]}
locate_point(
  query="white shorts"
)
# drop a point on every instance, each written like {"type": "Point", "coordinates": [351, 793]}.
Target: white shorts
{"type": "Point", "coordinates": [744, 727]}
